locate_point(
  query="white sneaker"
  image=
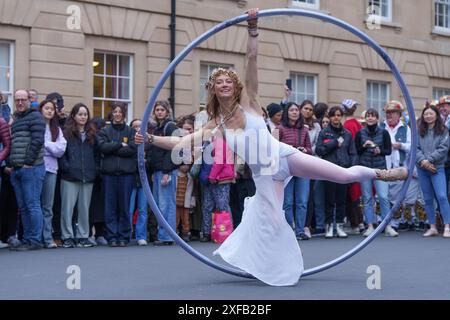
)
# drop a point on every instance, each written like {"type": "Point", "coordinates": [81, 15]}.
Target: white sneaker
{"type": "Point", "coordinates": [369, 230]}
{"type": "Point", "coordinates": [329, 231]}
{"type": "Point", "coordinates": [142, 242]}
{"type": "Point", "coordinates": [390, 232]}
{"type": "Point", "coordinates": [307, 232]}
{"type": "Point", "coordinates": [431, 232]}
{"type": "Point", "coordinates": [446, 233]}
{"type": "Point", "coordinates": [3, 245]}
{"type": "Point", "coordinates": [352, 231]}
{"type": "Point", "coordinates": [340, 230]}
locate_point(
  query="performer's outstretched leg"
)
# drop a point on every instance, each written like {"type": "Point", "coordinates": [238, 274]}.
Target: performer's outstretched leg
{"type": "Point", "coordinates": [306, 166]}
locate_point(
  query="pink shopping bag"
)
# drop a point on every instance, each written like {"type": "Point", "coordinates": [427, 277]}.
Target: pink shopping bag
{"type": "Point", "coordinates": [222, 226]}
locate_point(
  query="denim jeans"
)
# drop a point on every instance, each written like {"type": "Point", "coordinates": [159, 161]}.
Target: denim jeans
{"type": "Point", "coordinates": [297, 190]}
{"type": "Point", "coordinates": [447, 179]}
{"type": "Point", "coordinates": [141, 205]}
{"type": "Point", "coordinates": [382, 191]}
{"type": "Point", "coordinates": [319, 203]}
{"type": "Point", "coordinates": [47, 197]}
{"type": "Point", "coordinates": [165, 198]}
{"type": "Point", "coordinates": [27, 183]}
{"type": "Point", "coordinates": [431, 185]}
{"type": "Point", "coordinates": [117, 206]}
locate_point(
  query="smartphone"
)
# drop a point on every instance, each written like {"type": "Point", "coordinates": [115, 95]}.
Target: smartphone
{"type": "Point", "coordinates": [289, 83]}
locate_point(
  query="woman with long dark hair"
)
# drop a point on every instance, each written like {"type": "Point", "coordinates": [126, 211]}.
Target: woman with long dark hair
{"type": "Point", "coordinates": [55, 146]}
{"type": "Point", "coordinates": [293, 132]}
{"type": "Point", "coordinates": [78, 170]}
{"type": "Point", "coordinates": [432, 152]}
{"type": "Point", "coordinates": [310, 123]}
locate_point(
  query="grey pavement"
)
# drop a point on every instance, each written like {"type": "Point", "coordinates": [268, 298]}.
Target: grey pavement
{"type": "Point", "coordinates": [411, 268]}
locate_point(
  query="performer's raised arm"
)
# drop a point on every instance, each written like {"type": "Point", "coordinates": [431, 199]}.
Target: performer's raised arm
{"type": "Point", "coordinates": [251, 73]}
{"type": "Point", "coordinates": [175, 142]}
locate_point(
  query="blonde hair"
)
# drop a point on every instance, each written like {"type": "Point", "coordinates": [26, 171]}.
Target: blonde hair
{"type": "Point", "coordinates": [166, 105]}
{"type": "Point", "coordinates": [212, 105]}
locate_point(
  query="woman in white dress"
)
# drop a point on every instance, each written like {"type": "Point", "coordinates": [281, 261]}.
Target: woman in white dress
{"type": "Point", "coordinates": [263, 244]}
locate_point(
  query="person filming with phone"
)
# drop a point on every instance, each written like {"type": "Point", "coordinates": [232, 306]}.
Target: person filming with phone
{"type": "Point", "coordinates": [373, 144]}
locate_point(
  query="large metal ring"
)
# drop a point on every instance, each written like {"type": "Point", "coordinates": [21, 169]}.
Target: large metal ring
{"type": "Point", "coordinates": [266, 13]}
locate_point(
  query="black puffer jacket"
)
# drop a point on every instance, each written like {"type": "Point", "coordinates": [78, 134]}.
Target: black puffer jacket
{"type": "Point", "coordinates": [382, 140]}
{"type": "Point", "coordinates": [80, 161]}
{"type": "Point", "coordinates": [327, 146]}
{"type": "Point", "coordinates": [117, 160]}
{"type": "Point", "coordinates": [27, 145]}
{"type": "Point", "coordinates": [160, 159]}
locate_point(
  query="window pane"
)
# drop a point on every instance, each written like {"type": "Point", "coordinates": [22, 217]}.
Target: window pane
{"type": "Point", "coordinates": [303, 87]}
{"type": "Point", "coordinates": [310, 2]}
{"type": "Point", "coordinates": [4, 55]}
{"type": "Point", "coordinates": [439, 92]}
{"type": "Point", "coordinates": [98, 63]}
{"type": "Point", "coordinates": [4, 79]}
{"type": "Point", "coordinates": [107, 109]}
{"type": "Point", "coordinates": [442, 13]}
{"type": "Point", "coordinates": [111, 64]}
{"type": "Point", "coordinates": [124, 89]}
{"type": "Point", "coordinates": [112, 81]}
{"type": "Point", "coordinates": [111, 88]}
{"type": "Point", "coordinates": [310, 85]}
{"type": "Point", "coordinates": [4, 66]}
{"type": "Point", "coordinates": [377, 95]}
{"type": "Point", "coordinates": [124, 66]}
{"type": "Point", "coordinates": [380, 7]}
{"type": "Point", "coordinates": [97, 108]}
{"type": "Point", "coordinates": [300, 85]}
{"type": "Point", "coordinates": [98, 87]}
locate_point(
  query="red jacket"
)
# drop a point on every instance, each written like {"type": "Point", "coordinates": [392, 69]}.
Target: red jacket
{"type": "Point", "coordinates": [354, 126]}
{"type": "Point", "coordinates": [295, 138]}
{"type": "Point", "coordinates": [5, 139]}
{"type": "Point", "coordinates": [223, 167]}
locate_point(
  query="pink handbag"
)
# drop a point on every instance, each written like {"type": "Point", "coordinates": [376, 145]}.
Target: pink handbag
{"type": "Point", "coordinates": [222, 226]}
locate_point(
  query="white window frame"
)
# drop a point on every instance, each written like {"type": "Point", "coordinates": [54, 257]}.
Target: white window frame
{"type": "Point", "coordinates": [388, 17]}
{"type": "Point", "coordinates": [315, 5]}
{"type": "Point", "coordinates": [10, 92]}
{"type": "Point", "coordinates": [129, 101]}
{"type": "Point", "coordinates": [295, 96]}
{"type": "Point", "coordinates": [446, 18]}
{"type": "Point", "coordinates": [439, 92]}
{"type": "Point", "coordinates": [210, 67]}
{"type": "Point", "coordinates": [388, 95]}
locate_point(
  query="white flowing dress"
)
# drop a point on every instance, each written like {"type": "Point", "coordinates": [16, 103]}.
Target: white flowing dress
{"type": "Point", "coordinates": [263, 245]}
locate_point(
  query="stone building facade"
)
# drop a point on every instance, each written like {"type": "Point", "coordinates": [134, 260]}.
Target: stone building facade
{"type": "Point", "coordinates": [97, 51]}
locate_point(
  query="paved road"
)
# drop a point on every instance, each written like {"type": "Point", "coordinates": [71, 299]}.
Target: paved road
{"type": "Point", "coordinates": [411, 268]}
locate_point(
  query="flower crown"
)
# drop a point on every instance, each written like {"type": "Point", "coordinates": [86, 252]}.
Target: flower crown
{"type": "Point", "coordinates": [220, 72]}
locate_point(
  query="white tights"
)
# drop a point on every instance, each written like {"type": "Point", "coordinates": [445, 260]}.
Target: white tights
{"type": "Point", "coordinates": [306, 166]}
